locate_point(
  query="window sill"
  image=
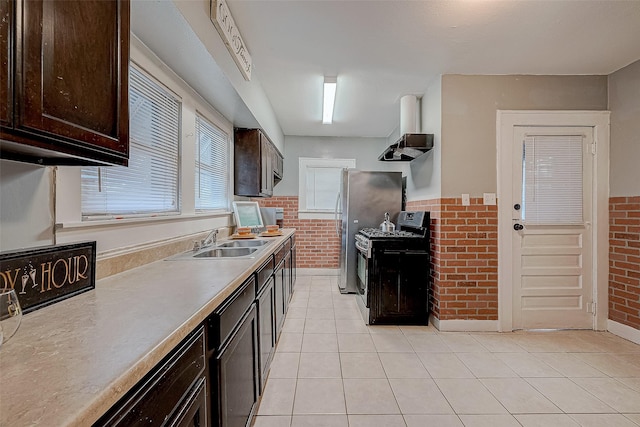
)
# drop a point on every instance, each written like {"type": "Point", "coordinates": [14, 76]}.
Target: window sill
{"type": "Point", "coordinates": [115, 222]}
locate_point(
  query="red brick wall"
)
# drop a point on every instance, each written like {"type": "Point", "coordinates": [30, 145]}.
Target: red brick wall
{"type": "Point", "coordinates": [464, 252]}
{"type": "Point", "coordinates": [318, 245]}
{"type": "Point", "coordinates": [624, 260]}
{"type": "Point", "coordinates": [464, 258]}
{"type": "Point", "coordinates": [433, 206]}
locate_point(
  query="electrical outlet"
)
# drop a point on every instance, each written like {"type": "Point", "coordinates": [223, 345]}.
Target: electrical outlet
{"type": "Point", "coordinates": [489, 198]}
{"type": "Point", "coordinates": [466, 201]}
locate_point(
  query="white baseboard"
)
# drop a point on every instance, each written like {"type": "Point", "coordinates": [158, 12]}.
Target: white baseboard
{"type": "Point", "coordinates": [624, 331]}
{"type": "Point", "coordinates": [434, 321]}
{"type": "Point", "coordinates": [462, 325]}
{"type": "Point", "coordinates": [317, 271]}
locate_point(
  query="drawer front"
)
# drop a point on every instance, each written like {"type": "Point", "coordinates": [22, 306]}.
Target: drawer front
{"type": "Point", "coordinates": [264, 274]}
{"type": "Point", "coordinates": [266, 332]}
{"type": "Point", "coordinates": [279, 254]}
{"type": "Point", "coordinates": [236, 373]}
{"type": "Point", "coordinates": [287, 246]}
{"type": "Point", "coordinates": [226, 317]}
{"type": "Point", "coordinates": [155, 399]}
{"type": "Point", "coordinates": [193, 413]}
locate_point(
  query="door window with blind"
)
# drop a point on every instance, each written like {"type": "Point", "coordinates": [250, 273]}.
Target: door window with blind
{"type": "Point", "coordinates": [150, 184]}
{"type": "Point", "coordinates": [552, 187]}
{"type": "Point", "coordinates": [212, 167]}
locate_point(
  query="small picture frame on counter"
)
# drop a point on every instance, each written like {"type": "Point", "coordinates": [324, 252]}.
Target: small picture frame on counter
{"type": "Point", "coordinates": [247, 214]}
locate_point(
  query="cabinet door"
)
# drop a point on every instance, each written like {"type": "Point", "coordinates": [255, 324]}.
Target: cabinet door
{"type": "Point", "coordinates": [266, 329]}
{"type": "Point", "coordinates": [266, 166]}
{"type": "Point", "coordinates": [277, 162]}
{"type": "Point", "coordinates": [159, 397]}
{"type": "Point", "coordinates": [280, 303]}
{"type": "Point", "coordinates": [237, 374]}
{"type": "Point", "coordinates": [72, 71]}
{"type": "Point", "coordinates": [287, 277]}
{"type": "Point", "coordinates": [193, 413]}
{"type": "Point", "coordinates": [226, 318]}
{"type": "Point", "coordinates": [293, 268]}
{"type": "Point", "coordinates": [6, 69]}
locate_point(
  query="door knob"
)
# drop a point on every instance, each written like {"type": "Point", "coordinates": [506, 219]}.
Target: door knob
{"type": "Point", "coordinates": [516, 206]}
{"type": "Point", "coordinates": [518, 227]}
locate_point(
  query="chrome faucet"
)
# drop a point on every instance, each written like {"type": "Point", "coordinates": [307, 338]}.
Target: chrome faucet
{"type": "Point", "coordinates": [210, 240]}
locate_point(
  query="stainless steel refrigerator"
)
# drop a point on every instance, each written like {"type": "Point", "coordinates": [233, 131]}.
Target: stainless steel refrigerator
{"type": "Point", "coordinates": [363, 199]}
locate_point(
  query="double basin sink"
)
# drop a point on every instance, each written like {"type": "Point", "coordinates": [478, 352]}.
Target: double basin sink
{"type": "Point", "coordinates": [225, 250]}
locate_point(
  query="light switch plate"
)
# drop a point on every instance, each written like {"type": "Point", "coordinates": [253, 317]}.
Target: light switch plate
{"type": "Point", "coordinates": [489, 198]}
{"type": "Point", "coordinates": [466, 201]}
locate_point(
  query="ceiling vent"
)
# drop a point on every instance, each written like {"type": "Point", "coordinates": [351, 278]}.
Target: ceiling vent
{"type": "Point", "coordinates": [412, 143]}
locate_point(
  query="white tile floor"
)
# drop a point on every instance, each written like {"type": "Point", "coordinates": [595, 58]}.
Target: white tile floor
{"type": "Point", "coordinates": [332, 370]}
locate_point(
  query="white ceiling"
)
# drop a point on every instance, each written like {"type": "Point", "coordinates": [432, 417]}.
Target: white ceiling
{"type": "Point", "coordinates": [383, 49]}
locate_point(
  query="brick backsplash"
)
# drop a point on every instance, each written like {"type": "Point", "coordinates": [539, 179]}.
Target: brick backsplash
{"type": "Point", "coordinates": [464, 258]}
{"type": "Point", "coordinates": [318, 245]}
{"type": "Point", "coordinates": [624, 260]}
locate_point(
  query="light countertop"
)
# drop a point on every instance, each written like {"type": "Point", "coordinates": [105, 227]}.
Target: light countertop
{"type": "Point", "coordinates": [71, 362]}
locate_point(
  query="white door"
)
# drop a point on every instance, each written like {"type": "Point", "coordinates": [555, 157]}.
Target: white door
{"type": "Point", "coordinates": [551, 234]}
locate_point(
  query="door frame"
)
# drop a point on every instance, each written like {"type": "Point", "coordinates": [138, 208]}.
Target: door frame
{"type": "Point", "coordinates": [506, 120]}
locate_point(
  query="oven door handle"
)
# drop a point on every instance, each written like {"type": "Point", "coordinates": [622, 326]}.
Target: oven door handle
{"type": "Point", "coordinates": [363, 250]}
{"type": "Point", "coordinates": [405, 251]}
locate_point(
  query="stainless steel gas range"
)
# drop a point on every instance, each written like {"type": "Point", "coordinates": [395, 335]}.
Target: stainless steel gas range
{"type": "Point", "coordinates": [393, 272]}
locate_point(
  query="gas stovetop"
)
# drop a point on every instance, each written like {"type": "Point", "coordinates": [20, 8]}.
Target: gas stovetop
{"type": "Point", "coordinates": [376, 233]}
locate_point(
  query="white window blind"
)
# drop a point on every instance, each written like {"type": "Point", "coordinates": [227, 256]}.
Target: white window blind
{"type": "Point", "coordinates": [552, 180]}
{"type": "Point", "coordinates": [323, 183]}
{"type": "Point", "coordinates": [150, 184]}
{"type": "Point", "coordinates": [319, 184]}
{"type": "Point", "coordinates": [212, 166]}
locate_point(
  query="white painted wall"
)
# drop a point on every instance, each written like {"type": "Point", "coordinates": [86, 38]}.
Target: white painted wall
{"type": "Point", "coordinates": [26, 205]}
{"type": "Point", "coordinates": [364, 150]}
{"type": "Point", "coordinates": [196, 13]}
{"type": "Point", "coordinates": [424, 178]}
{"type": "Point", "coordinates": [624, 103]}
{"type": "Point", "coordinates": [118, 235]}
{"type": "Point", "coordinates": [469, 105]}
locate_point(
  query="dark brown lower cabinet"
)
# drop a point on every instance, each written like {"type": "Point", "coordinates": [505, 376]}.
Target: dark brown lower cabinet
{"type": "Point", "coordinates": [217, 379]}
{"type": "Point", "coordinates": [170, 392]}
{"type": "Point", "coordinates": [398, 291]}
{"type": "Point", "coordinates": [293, 265]}
{"type": "Point", "coordinates": [288, 284]}
{"type": "Point", "coordinates": [235, 371]}
{"type": "Point", "coordinates": [280, 299]}
{"type": "Point", "coordinates": [266, 329]}
{"type": "Point", "coordinates": [194, 412]}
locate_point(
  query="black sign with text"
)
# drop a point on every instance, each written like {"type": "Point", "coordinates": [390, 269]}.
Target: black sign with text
{"type": "Point", "coordinates": [46, 275]}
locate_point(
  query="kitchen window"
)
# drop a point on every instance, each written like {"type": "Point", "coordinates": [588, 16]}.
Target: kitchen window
{"type": "Point", "coordinates": [149, 186]}
{"type": "Point", "coordinates": [212, 166]}
{"type": "Point", "coordinates": [319, 185]}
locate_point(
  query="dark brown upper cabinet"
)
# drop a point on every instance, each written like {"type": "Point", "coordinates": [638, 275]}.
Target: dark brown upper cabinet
{"type": "Point", "coordinates": [6, 81]}
{"type": "Point", "coordinates": [65, 92]}
{"type": "Point", "coordinates": [258, 164]}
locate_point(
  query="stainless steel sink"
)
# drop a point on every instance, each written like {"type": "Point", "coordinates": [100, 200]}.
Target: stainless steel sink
{"type": "Point", "coordinates": [225, 252]}
{"type": "Point", "coordinates": [244, 244]}
{"type": "Point", "coordinates": [232, 249]}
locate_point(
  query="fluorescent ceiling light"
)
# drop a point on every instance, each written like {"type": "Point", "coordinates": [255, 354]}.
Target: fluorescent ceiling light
{"type": "Point", "coordinates": [330, 84]}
